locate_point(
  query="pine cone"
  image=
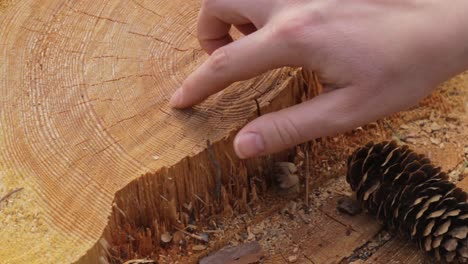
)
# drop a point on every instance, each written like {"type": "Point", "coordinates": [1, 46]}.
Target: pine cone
{"type": "Point", "coordinates": [412, 196]}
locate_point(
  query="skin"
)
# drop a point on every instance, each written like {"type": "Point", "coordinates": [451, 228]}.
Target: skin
{"type": "Point", "coordinates": [375, 57]}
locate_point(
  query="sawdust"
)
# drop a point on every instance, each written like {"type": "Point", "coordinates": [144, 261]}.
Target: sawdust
{"type": "Point", "coordinates": [20, 215]}
{"type": "Point", "coordinates": [5, 3]}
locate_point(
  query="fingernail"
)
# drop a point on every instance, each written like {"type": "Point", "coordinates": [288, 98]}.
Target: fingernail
{"type": "Point", "coordinates": [176, 98]}
{"type": "Point", "coordinates": [248, 145]}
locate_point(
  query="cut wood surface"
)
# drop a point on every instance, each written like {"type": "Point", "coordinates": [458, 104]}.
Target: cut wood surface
{"type": "Point", "coordinates": [86, 130]}
{"type": "Point", "coordinates": [95, 167]}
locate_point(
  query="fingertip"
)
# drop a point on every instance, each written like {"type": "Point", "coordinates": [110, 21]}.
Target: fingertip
{"type": "Point", "coordinates": [176, 99]}
{"type": "Point", "coordinates": [249, 144]}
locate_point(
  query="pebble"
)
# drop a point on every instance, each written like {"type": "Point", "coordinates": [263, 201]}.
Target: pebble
{"type": "Point", "coordinates": [292, 259]}
{"type": "Point", "coordinates": [349, 206]}
{"type": "Point", "coordinates": [435, 127]}
{"type": "Point", "coordinates": [198, 247]}
{"type": "Point", "coordinates": [435, 141]}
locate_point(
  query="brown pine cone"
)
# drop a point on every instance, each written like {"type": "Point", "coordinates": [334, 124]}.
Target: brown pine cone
{"type": "Point", "coordinates": [410, 195]}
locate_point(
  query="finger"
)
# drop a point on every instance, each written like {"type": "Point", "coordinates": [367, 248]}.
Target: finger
{"type": "Point", "coordinates": [325, 115]}
{"type": "Point", "coordinates": [217, 16]}
{"type": "Point", "coordinates": [246, 29]}
{"type": "Point", "coordinates": [232, 63]}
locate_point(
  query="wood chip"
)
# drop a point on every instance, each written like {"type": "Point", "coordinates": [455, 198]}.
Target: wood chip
{"type": "Point", "coordinates": [179, 238]}
{"type": "Point", "coordinates": [198, 247]}
{"type": "Point", "coordinates": [292, 259]}
{"type": "Point", "coordinates": [248, 253]}
{"type": "Point", "coordinates": [435, 141]}
{"type": "Point", "coordinates": [141, 261]}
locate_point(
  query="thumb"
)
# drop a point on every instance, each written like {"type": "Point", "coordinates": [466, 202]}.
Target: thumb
{"type": "Point", "coordinates": [325, 115]}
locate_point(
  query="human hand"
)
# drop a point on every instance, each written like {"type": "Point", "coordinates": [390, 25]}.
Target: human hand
{"type": "Point", "coordinates": [375, 57]}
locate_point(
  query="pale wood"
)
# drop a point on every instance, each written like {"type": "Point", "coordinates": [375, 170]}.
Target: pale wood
{"type": "Point", "coordinates": [84, 114]}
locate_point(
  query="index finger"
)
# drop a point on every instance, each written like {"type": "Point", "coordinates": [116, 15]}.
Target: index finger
{"type": "Point", "coordinates": [217, 16]}
{"type": "Point", "coordinates": [240, 60]}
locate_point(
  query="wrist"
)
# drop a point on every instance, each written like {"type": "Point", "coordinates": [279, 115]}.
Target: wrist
{"type": "Point", "coordinates": [451, 22]}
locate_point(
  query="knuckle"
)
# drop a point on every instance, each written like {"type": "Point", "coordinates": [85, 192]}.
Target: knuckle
{"type": "Point", "coordinates": [219, 60]}
{"type": "Point", "coordinates": [291, 28]}
{"type": "Point", "coordinates": [297, 28]}
{"type": "Point", "coordinates": [286, 131]}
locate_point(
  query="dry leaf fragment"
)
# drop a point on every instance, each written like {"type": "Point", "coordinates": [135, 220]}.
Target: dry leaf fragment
{"type": "Point", "coordinates": [435, 127]}
{"type": "Point", "coordinates": [166, 237]}
{"type": "Point", "coordinates": [198, 247]}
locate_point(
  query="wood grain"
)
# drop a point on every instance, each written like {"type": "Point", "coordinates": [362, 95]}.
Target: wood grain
{"type": "Point", "coordinates": [84, 114]}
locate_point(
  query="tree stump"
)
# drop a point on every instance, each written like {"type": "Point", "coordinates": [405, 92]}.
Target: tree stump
{"type": "Point", "coordinates": [86, 130]}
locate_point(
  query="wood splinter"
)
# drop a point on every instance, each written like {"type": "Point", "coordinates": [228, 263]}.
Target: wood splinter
{"type": "Point", "coordinates": [8, 195]}
{"type": "Point", "coordinates": [217, 169]}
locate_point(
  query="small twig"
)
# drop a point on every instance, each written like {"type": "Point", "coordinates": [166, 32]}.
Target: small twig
{"type": "Point", "coordinates": [213, 231]}
{"type": "Point", "coordinates": [337, 220]}
{"type": "Point", "coordinates": [395, 134]}
{"type": "Point", "coordinates": [217, 168]}
{"type": "Point", "coordinates": [307, 174]}
{"type": "Point", "coordinates": [10, 194]}
{"type": "Point", "coordinates": [164, 198]}
{"type": "Point", "coordinates": [141, 261]}
{"type": "Point", "coordinates": [259, 113]}
{"type": "Point", "coordinates": [119, 210]}
{"type": "Point", "coordinates": [191, 235]}
{"type": "Point", "coordinates": [200, 199]}
{"type": "Point", "coordinates": [308, 258]}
